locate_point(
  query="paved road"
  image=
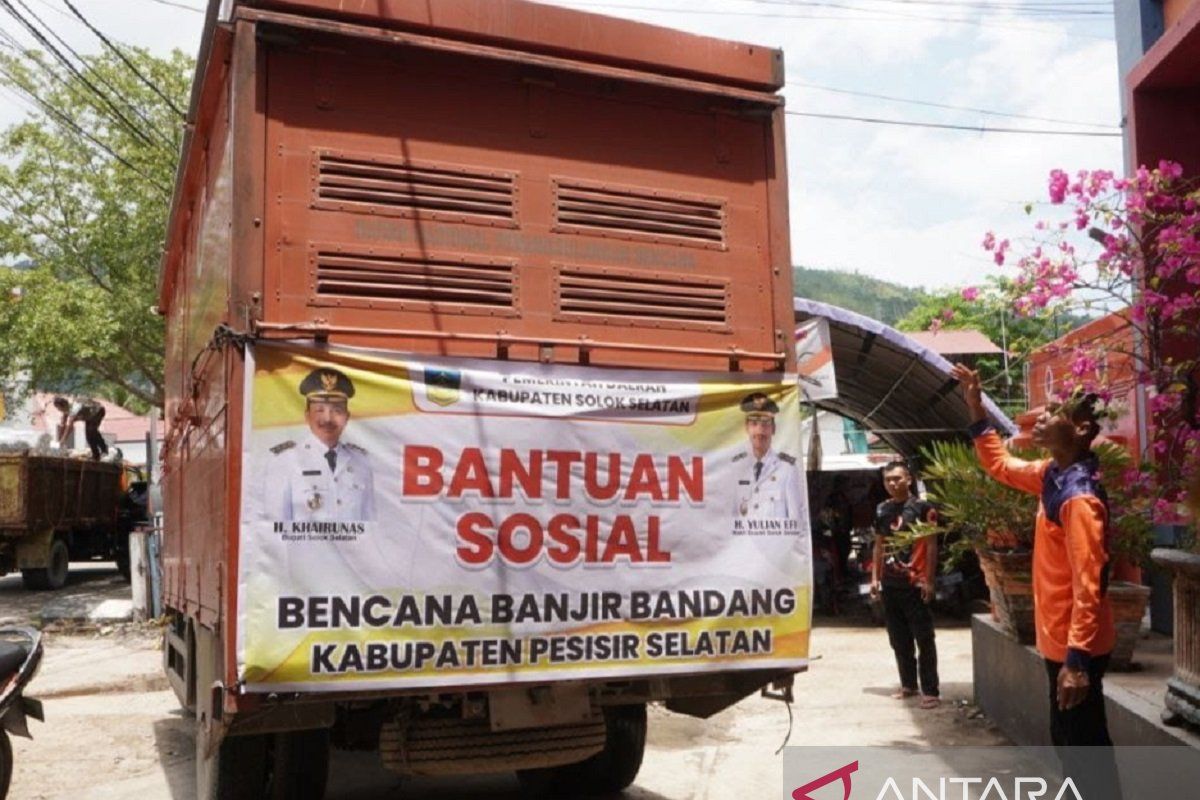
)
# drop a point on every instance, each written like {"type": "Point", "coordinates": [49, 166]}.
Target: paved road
{"type": "Point", "coordinates": [114, 731]}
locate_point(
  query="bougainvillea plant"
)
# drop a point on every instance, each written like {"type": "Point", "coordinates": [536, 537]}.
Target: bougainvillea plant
{"type": "Point", "coordinates": [1130, 245]}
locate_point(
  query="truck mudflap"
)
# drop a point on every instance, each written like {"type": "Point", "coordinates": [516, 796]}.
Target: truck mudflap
{"type": "Point", "coordinates": [425, 746]}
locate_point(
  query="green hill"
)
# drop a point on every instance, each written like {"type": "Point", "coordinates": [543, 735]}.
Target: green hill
{"type": "Point", "coordinates": [881, 300]}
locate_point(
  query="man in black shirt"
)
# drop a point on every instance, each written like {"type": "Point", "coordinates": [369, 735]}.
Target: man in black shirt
{"type": "Point", "coordinates": [906, 576]}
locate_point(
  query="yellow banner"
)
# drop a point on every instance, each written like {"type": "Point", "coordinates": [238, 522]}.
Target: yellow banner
{"type": "Point", "coordinates": [415, 522]}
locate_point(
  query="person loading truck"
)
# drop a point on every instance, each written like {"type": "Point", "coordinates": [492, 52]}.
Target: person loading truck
{"type": "Point", "coordinates": [91, 414]}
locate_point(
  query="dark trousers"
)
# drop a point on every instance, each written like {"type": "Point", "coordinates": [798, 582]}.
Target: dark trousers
{"type": "Point", "coordinates": [910, 629]}
{"type": "Point", "coordinates": [91, 432]}
{"type": "Point", "coordinates": [1094, 771]}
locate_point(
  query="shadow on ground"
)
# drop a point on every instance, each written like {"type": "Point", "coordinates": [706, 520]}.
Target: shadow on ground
{"type": "Point", "coordinates": [175, 742]}
{"type": "Point", "coordinates": [88, 584]}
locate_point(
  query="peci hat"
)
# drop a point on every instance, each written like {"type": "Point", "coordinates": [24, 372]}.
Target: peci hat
{"type": "Point", "coordinates": [759, 405]}
{"type": "Point", "coordinates": [326, 383]}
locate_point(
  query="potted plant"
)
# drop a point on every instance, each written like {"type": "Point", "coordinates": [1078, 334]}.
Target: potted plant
{"type": "Point", "coordinates": [997, 523]}
{"type": "Point", "coordinates": [993, 520]}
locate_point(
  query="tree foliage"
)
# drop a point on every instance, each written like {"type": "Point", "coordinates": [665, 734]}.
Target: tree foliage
{"type": "Point", "coordinates": [871, 297]}
{"type": "Point", "coordinates": [85, 186]}
{"type": "Point", "coordinates": [988, 313]}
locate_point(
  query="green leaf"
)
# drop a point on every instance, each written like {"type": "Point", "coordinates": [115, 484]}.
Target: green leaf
{"type": "Point", "coordinates": [84, 198]}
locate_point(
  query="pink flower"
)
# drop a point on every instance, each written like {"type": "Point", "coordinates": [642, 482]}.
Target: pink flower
{"type": "Point", "coordinates": [989, 241]}
{"type": "Point", "coordinates": [1161, 403]}
{"type": "Point", "coordinates": [970, 294]}
{"type": "Point", "coordinates": [948, 314]}
{"type": "Point", "coordinates": [1170, 169]}
{"type": "Point", "coordinates": [1001, 249]}
{"type": "Point", "coordinates": [1058, 186]}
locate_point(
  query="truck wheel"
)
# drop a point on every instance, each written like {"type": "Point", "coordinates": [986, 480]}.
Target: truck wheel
{"type": "Point", "coordinates": [55, 575]}
{"type": "Point", "coordinates": [6, 759]}
{"type": "Point", "coordinates": [236, 770]}
{"type": "Point", "coordinates": [614, 767]}
{"type": "Point", "coordinates": [300, 767]}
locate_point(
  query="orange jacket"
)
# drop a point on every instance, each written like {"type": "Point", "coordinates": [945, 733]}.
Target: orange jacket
{"type": "Point", "coordinates": [1070, 557]}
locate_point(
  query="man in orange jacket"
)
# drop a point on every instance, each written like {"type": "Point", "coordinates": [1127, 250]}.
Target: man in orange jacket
{"type": "Point", "coordinates": [1075, 632]}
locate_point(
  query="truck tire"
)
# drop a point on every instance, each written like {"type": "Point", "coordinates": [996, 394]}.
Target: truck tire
{"type": "Point", "coordinates": [6, 758]}
{"type": "Point", "coordinates": [608, 772]}
{"type": "Point", "coordinates": [236, 770]}
{"type": "Point", "coordinates": [615, 767]}
{"type": "Point", "coordinates": [300, 765]}
{"type": "Point", "coordinates": [53, 576]}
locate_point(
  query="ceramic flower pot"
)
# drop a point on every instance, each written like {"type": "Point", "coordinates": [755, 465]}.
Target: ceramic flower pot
{"type": "Point", "coordinates": [1009, 579]}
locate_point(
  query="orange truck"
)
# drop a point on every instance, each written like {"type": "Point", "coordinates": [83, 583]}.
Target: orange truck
{"type": "Point", "coordinates": [483, 424]}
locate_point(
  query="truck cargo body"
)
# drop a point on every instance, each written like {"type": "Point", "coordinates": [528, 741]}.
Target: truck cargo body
{"type": "Point", "coordinates": [54, 509]}
{"type": "Point", "coordinates": [496, 182]}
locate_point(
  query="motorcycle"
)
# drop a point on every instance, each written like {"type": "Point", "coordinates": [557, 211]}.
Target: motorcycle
{"type": "Point", "coordinates": [20, 657]}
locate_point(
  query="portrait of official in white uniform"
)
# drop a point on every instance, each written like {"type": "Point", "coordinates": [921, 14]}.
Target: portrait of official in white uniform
{"type": "Point", "coordinates": [768, 482]}
{"type": "Point", "coordinates": [320, 477]}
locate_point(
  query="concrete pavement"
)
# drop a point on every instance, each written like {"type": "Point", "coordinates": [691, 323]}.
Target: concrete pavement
{"type": "Point", "coordinates": [113, 728]}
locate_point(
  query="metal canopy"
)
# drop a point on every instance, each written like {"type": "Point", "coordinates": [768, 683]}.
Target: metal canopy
{"type": "Point", "coordinates": [896, 388]}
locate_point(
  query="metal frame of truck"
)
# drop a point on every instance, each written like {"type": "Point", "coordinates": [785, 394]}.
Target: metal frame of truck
{"type": "Point", "coordinates": [559, 106]}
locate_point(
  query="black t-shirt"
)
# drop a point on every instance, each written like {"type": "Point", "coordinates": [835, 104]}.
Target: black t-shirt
{"type": "Point", "coordinates": [903, 566]}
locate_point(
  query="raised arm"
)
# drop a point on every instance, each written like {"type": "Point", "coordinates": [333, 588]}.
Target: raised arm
{"type": "Point", "coordinates": [1025, 476]}
{"type": "Point", "coordinates": [1083, 520]}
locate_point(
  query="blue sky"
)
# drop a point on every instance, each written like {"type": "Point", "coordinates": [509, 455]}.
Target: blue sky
{"type": "Point", "coordinates": [907, 204]}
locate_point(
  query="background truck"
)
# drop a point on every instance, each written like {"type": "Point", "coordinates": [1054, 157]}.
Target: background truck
{"type": "Point", "coordinates": [57, 509]}
{"type": "Point", "coordinates": [483, 179]}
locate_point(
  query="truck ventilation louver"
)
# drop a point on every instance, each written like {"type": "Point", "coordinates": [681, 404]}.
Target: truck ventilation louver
{"type": "Point", "coordinates": [639, 214]}
{"type": "Point", "coordinates": [611, 298]}
{"type": "Point", "coordinates": [395, 187]}
{"type": "Point", "coordinates": [420, 280]}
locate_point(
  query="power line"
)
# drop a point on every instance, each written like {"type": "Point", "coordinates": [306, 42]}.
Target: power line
{"type": "Point", "coordinates": [184, 6]}
{"type": "Point", "coordinates": [948, 106]}
{"type": "Point", "coordinates": [99, 77]}
{"type": "Point", "coordinates": [121, 55]}
{"type": "Point", "coordinates": [949, 127]}
{"type": "Point", "coordinates": [894, 18]}
{"type": "Point", "coordinates": [47, 4]}
{"type": "Point", "coordinates": [15, 84]}
{"type": "Point", "coordinates": [66, 62]}
{"type": "Point", "coordinates": [1003, 5]}
{"type": "Point", "coordinates": [1053, 9]}
{"type": "Point", "coordinates": [65, 120]}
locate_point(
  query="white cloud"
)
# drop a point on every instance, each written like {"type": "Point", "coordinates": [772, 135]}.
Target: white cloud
{"type": "Point", "coordinates": [906, 204]}
{"type": "Point", "coordinates": [929, 195]}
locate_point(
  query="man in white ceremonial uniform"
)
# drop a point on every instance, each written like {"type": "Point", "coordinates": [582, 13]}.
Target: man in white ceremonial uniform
{"type": "Point", "coordinates": [768, 482]}
{"type": "Point", "coordinates": [320, 478]}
